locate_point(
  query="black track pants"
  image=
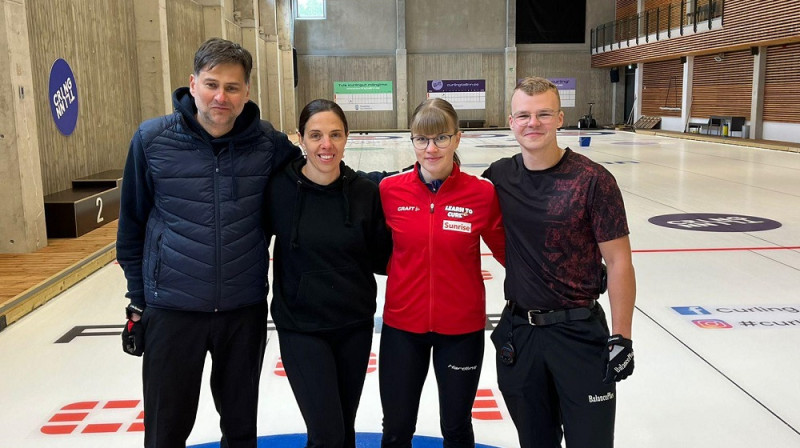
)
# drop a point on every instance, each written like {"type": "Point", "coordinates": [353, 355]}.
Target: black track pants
{"type": "Point", "coordinates": [557, 380]}
{"type": "Point", "coordinates": [403, 365]}
{"type": "Point", "coordinates": [326, 371]}
{"type": "Point", "coordinates": [176, 343]}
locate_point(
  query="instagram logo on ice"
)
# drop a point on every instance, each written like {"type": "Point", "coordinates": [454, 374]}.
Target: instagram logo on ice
{"type": "Point", "coordinates": [712, 324]}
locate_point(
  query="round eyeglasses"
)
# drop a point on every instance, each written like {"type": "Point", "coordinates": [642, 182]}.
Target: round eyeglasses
{"type": "Point", "coordinates": [544, 117]}
{"type": "Point", "coordinates": [441, 141]}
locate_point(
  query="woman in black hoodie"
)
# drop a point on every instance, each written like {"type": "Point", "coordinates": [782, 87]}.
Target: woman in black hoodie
{"type": "Point", "coordinates": [330, 239]}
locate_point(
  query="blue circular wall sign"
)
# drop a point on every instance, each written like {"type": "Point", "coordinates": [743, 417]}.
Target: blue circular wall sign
{"type": "Point", "coordinates": [63, 97]}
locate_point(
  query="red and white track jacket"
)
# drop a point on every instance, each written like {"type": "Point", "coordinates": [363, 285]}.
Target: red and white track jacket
{"type": "Point", "coordinates": [434, 274]}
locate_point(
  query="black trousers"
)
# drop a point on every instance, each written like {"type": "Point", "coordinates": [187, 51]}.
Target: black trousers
{"type": "Point", "coordinates": [176, 343]}
{"type": "Point", "coordinates": [326, 371]}
{"type": "Point", "coordinates": [555, 388]}
{"type": "Point", "coordinates": [403, 365]}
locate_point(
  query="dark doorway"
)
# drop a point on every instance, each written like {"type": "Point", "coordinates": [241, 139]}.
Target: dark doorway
{"type": "Point", "coordinates": [630, 90]}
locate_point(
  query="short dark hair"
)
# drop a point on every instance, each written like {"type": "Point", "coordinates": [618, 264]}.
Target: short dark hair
{"type": "Point", "coordinates": [317, 106]}
{"type": "Point", "coordinates": [216, 51]}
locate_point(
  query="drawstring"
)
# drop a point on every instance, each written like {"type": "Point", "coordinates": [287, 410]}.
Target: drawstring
{"type": "Point", "coordinates": [346, 202]}
{"type": "Point", "coordinates": [233, 176]}
{"type": "Point", "coordinates": [298, 206]}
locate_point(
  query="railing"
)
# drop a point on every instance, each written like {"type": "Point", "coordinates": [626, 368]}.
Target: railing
{"type": "Point", "coordinates": [664, 22]}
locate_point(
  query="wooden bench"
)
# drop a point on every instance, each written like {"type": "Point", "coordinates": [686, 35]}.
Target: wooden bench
{"type": "Point", "coordinates": [108, 179]}
{"type": "Point", "coordinates": [92, 202]}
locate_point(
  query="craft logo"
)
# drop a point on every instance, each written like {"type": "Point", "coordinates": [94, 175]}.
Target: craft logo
{"type": "Point", "coordinates": [96, 417]}
{"type": "Point", "coordinates": [407, 208]}
{"type": "Point", "coordinates": [712, 222]}
{"type": "Point", "coordinates": [486, 406]}
{"type": "Point", "coordinates": [712, 324]}
{"type": "Point", "coordinates": [455, 226]}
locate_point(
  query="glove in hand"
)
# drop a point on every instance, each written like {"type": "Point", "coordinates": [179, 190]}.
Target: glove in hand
{"type": "Point", "coordinates": [619, 359]}
{"type": "Point", "coordinates": [133, 338]}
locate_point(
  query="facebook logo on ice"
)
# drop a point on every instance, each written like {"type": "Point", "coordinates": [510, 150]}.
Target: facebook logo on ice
{"type": "Point", "coordinates": [690, 310]}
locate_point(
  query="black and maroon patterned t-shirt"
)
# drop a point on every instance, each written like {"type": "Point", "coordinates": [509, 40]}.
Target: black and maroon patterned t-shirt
{"type": "Point", "coordinates": [554, 220]}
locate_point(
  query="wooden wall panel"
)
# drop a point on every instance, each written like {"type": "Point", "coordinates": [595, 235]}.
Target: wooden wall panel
{"type": "Point", "coordinates": [185, 33]}
{"type": "Point", "coordinates": [662, 86]}
{"type": "Point", "coordinates": [592, 85]}
{"type": "Point", "coordinates": [723, 87]}
{"type": "Point", "coordinates": [782, 84]}
{"type": "Point", "coordinates": [97, 39]}
{"type": "Point", "coordinates": [626, 8]}
{"type": "Point", "coordinates": [745, 24]}
{"type": "Point", "coordinates": [425, 67]}
{"type": "Point", "coordinates": [318, 73]}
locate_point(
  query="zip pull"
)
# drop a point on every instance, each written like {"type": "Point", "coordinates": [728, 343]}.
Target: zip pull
{"type": "Point", "coordinates": [431, 207]}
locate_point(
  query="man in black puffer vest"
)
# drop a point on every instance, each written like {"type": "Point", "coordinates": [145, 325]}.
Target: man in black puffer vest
{"type": "Point", "coordinates": [192, 246]}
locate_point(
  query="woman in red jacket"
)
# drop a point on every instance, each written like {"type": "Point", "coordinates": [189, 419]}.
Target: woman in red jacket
{"type": "Point", "coordinates": [435, 298]}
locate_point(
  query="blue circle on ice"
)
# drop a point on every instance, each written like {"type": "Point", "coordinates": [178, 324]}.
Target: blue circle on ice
{"type": "Point", "coordinates": [363, 440]}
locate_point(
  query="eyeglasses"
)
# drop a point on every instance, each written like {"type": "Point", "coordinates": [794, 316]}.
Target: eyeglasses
{"type": "Point", "coordinates": [544, 117]}
{"type": "Point", "coordinates": [334, 137]}
{"type": "Point", "coordinates": [441, 141]}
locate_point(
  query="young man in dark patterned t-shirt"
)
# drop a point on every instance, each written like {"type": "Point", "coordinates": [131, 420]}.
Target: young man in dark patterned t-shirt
{"type": "Point", "coordinates": [557, 365]}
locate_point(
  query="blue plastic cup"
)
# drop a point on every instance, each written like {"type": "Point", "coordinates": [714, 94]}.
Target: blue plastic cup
{"type": "Point", "coordinates": [584, 141]}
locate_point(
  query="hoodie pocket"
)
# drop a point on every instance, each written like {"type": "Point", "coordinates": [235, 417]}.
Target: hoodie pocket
{"type": "Point", "coordinates": [336, 296]}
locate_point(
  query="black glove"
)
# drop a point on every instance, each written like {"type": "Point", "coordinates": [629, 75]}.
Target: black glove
{"type": "Point", "coordinates": [133, 333]}
{"type": "Point", "coordinates": [619, 359]}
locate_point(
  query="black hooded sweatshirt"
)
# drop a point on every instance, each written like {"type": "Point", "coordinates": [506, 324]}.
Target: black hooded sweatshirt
{"type": "Point", "coordinates": [330, 240]}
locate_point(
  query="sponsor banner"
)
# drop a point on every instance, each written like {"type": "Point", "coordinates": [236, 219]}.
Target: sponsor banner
{"type": "Point", "coordinates": [740, 316]}
{"type": "Point", "coordinates": [462, 94]}
{"type": "Point", "coordinates": [566, 90]}
{"type": "Point", "coordinates": [364, 95]}
{"type": "Point", "coordinates": [714, 222]}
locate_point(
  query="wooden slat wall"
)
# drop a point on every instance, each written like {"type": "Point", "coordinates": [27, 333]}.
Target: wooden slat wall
{"type": "Point", "coordinates": [653, 4]}
{"type": "Point", "coordinates": [185, 33]}
{"type": "Point", "coordinates": [723, 88]}
{"type": "Point", "coordinates": [782, 84]}
{"type": "Point", "coordinates": [625, 8]}
{"type": "Point", "coordinates": [660, 20]}
{"type": "Point", "coordinates": [425, 67]}
{"type": "Point", "coordinates": [320, 72]}
{"type": "Point", "coordinates": [746, 23]}
{"type": "Point", "coordinates": [97, 39]}
{"type": "Point", "coordinates": [662, 84]}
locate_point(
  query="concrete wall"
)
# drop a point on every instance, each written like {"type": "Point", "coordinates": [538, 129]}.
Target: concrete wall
{"type": "Point", "coordinates": [22, 224]}
{"type": "Point", "coordinates": [446, 39]}
{"type": "Point", "coordinates": [127, 57]}
{"type": "Point", "coordinates": [352, 27]}
{"type": "Point", "coordinates": [449, 26]}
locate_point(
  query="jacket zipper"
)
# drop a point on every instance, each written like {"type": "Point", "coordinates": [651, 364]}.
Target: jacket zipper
{"type": "Point", "coordinates": [218, 236]}
{"type": "Point", "coordinates": [430, 263]}
{"type": "Point", "coordinates": [157, 269]}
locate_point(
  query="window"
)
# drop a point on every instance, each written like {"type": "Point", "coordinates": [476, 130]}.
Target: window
{"type": "Point", "coordinates": [309, 9]}
{"type": "Point", "coordinates": [554, 22]}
